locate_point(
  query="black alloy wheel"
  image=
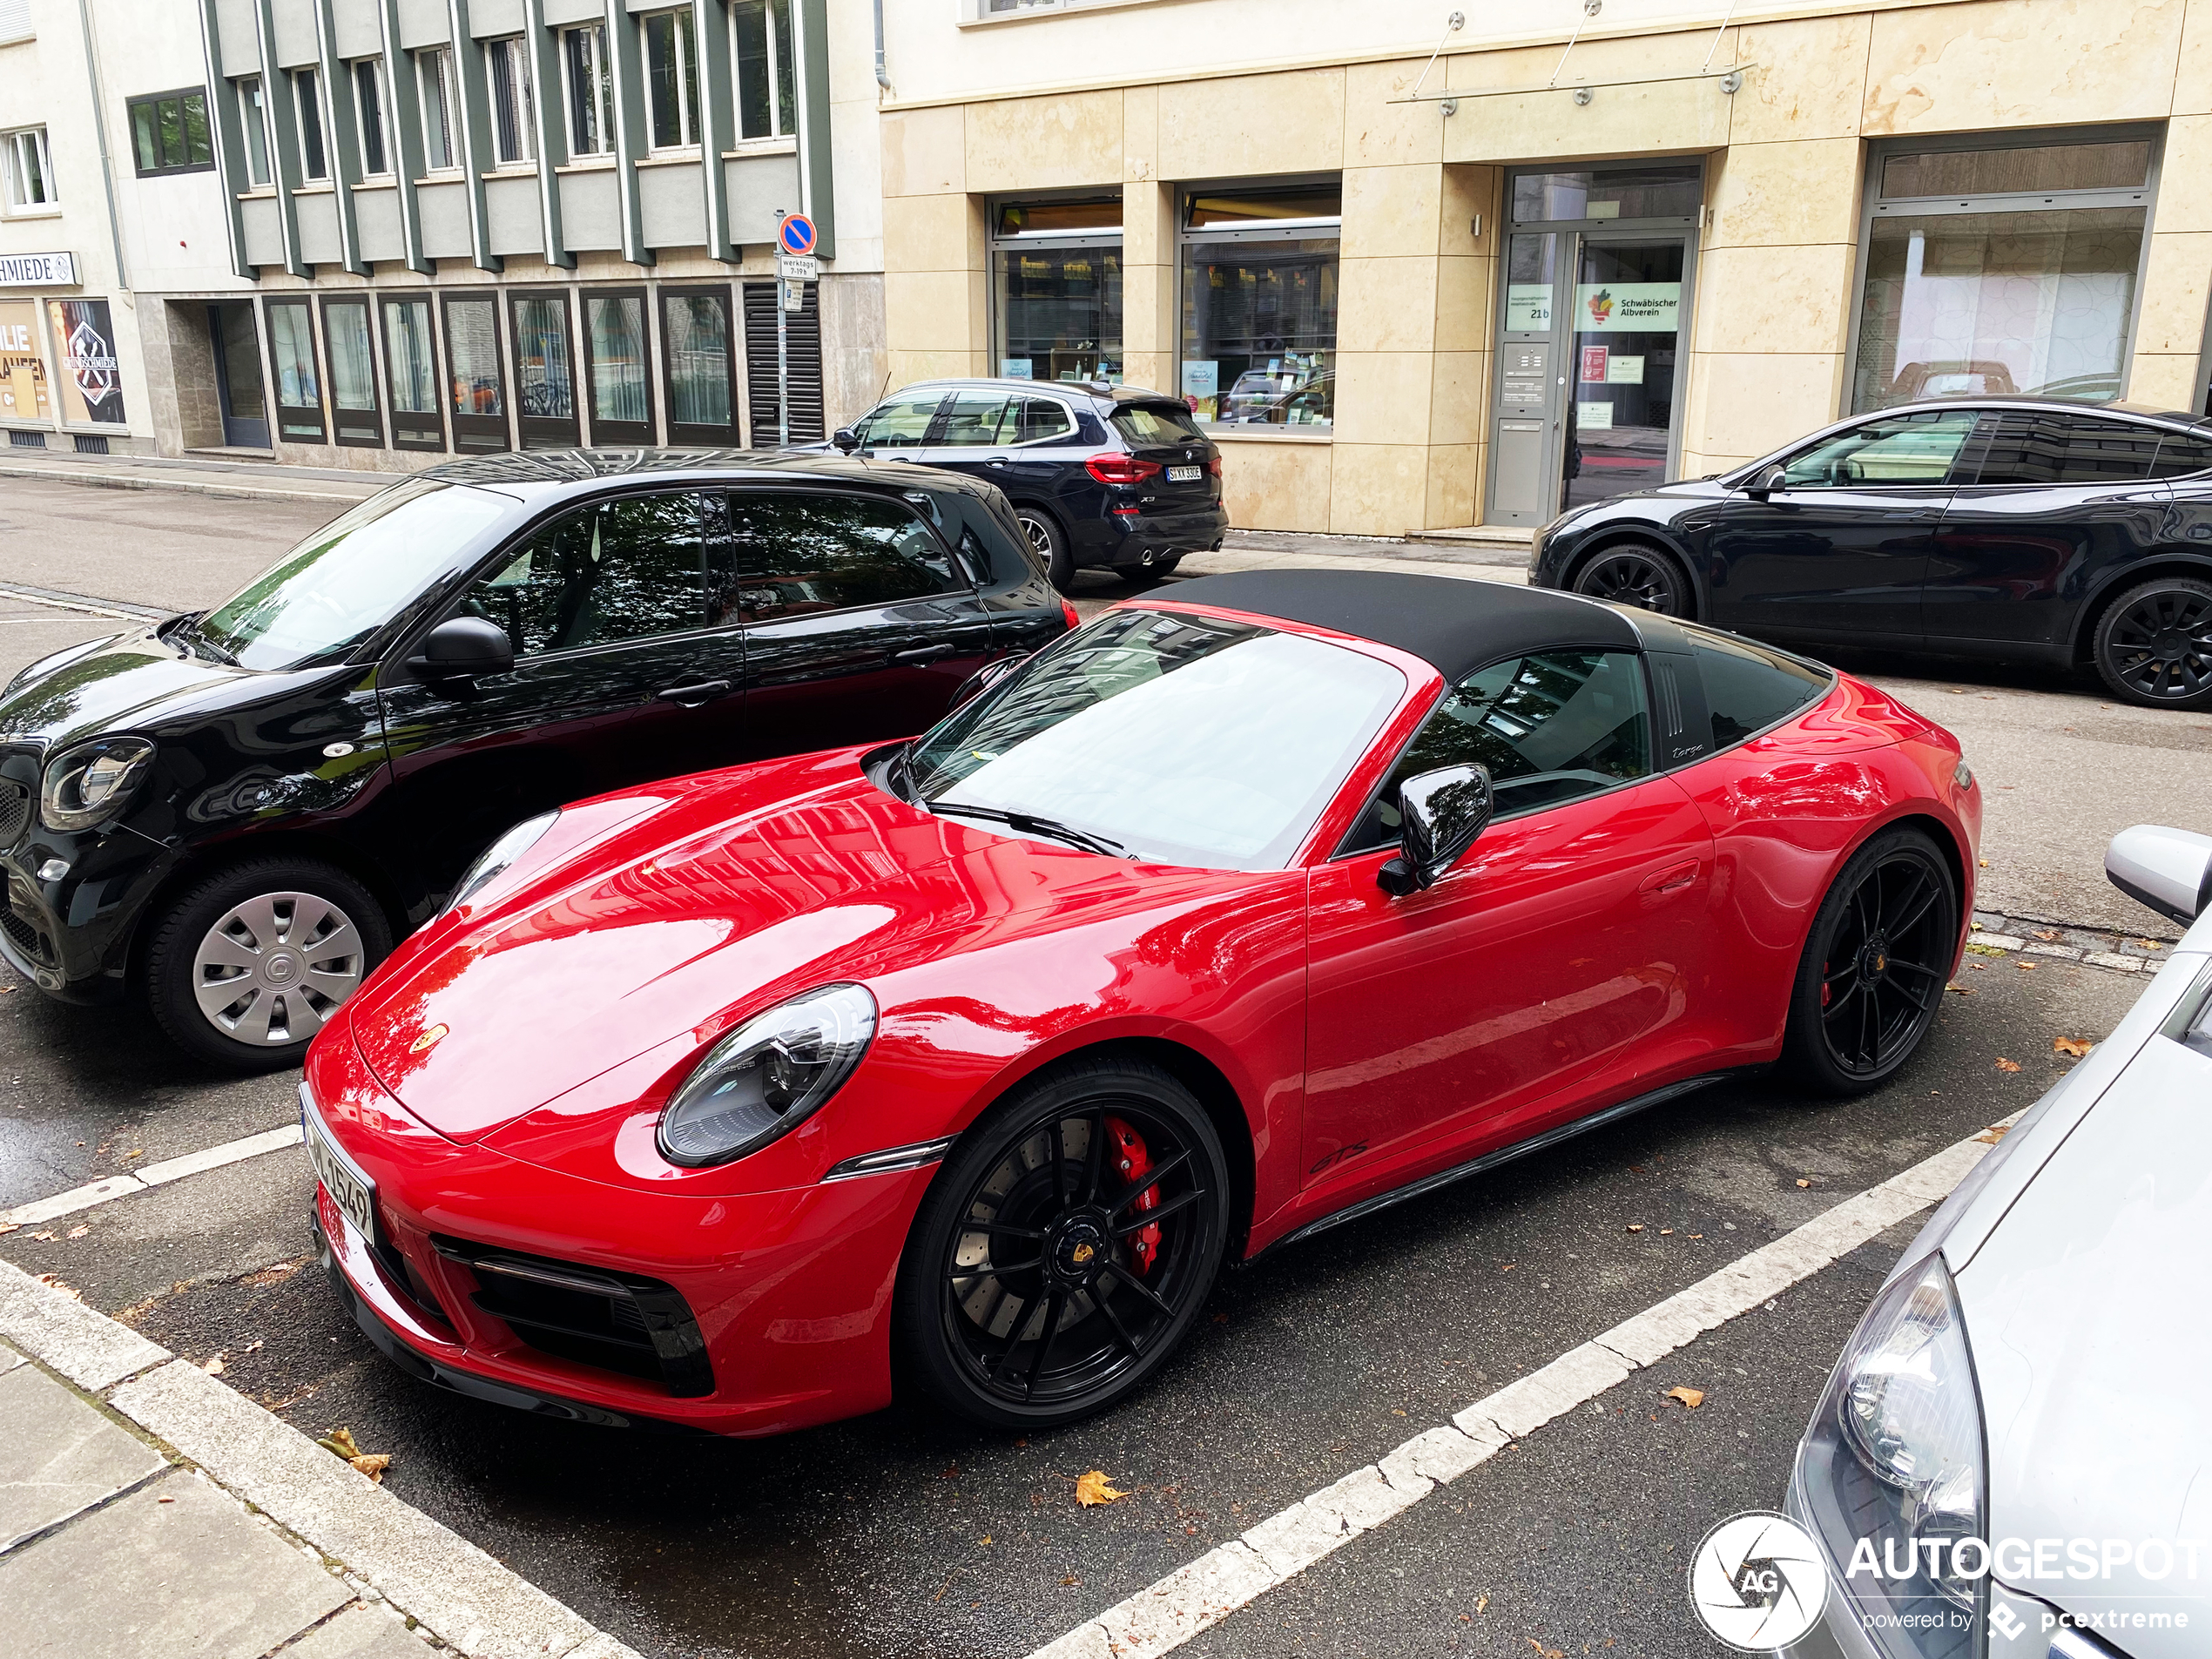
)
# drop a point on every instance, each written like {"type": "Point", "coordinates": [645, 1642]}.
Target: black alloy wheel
{"type": "Point", "coordinates": [2154, 645]}
{"type": "Point", "coordinates": [1065, 1249]}
{"type": "Point", "coordinates": [1875, 966]}
{"type": "Point", "coordinates": [1635, 574]}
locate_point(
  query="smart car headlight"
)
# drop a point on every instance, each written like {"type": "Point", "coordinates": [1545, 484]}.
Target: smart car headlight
{"type": "Point", "coordinates": [89, 785]}
{"type": "Point", "coordinates": [1892, 1470]}
{"type": "Point", "coordinates": [768, 1076]}
{"type": "Point", "coordinates": [499, 856]}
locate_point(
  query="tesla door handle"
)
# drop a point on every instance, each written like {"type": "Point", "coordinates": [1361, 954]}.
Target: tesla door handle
{"type": "Point", "coordinates": [691, 696]}
{"type": "Point", "coordinates": [1679, 875]}
{"type": "Point", "coordinates": [921, 654]}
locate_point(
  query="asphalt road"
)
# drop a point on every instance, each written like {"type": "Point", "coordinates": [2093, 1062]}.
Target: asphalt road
{"type": "Point", "coordinates": [899, 1534]}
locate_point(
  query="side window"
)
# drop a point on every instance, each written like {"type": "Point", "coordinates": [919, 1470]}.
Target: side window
{"type": "Point", "coordinates": [1747, 688]}
{"type": "Point", "coordinates": [1892, 450]}
{"type": "Point", "coordinates": [904, 420]}
{"type": "Point", "coordinates": [2038, 450]}
{"type": "Point", "coordinates": [796, 552]}
{"type": "Point", "coordinates": [1551, 728]}
{"type": "Point", "coordinates": [973, 421]}
{"type": "Point", "coordinates": [627, 568]}
{"type": "Point", "coordinates": [1037, 419]}
{"type": "Point", "coordinates": [2179, 456]}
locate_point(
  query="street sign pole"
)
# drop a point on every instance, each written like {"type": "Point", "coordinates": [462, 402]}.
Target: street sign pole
{"type": "Point", "coordinates": [783, 363]}
{"type": "Point", "coordinates": [795, 268]}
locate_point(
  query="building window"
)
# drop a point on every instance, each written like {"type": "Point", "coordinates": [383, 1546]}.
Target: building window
{"type": "Point", "coordinates": [354, 416]}
{"type": "Point", "coordinates": [298, 387]}
{"type": "Point", "coordinates": [590, 90]}
{"type": "Point", "coordinates": [30, 175]}
{"type": "Point", "coordinates": [700, 366]}
{"type": "Point", "coordinates": [614, 365]}
{"type": "Point", "coordinates": [1997, 269]}
{"type": "Point", "coordinates": [1056, 276]}
{"type": "Point", "coordinates": [767, 84]}
{"type": "Point", "coordinates": [306, 97]}
{"type": "Point", "coordinates": [1260, 304]}
{"type": "Point", "coordinates": [169, 133]}
{"type": "Point", "coordinates": [514, 111]}
{"type": "Point", "coordinates": [368, 108]}
{"type": "Point", "coordinates": [254, 121]}
{"type": "Point", "coordinates": [411, 372]}
{"type": "Point", "coordinates": [433, 81]}
{"type": "Point", "coordinates": [671, 79]}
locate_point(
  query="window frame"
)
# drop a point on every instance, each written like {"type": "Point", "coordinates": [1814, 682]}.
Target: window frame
{"type": "Point", "coordinates": [1986, 433]}
{"type": "Point", "coordinates": [461, 425]}
{"type": "Point", "coordinates": [411, 429]}
{"type": "Point", "coordinates": [603, 111]}
{"type": "Point", "coordinates": [179, 95]}
{"type": "Point", "coordinates": [780, 57]}
{"type": "Point", "coordinates": [433, 91]}
{"type": "Point", "coordinates": [1873, 204]}
{"type": "Point", "coordinates": [546, 431]}
{"type": "Point", "coordinates": [515, 51]}
{"type": "Point", "coordinates": [1311, 229]}
{"type": "Point", "coordinates": [307, 107]}
{"type": "Point", "coordinates": [1970, 446]}
{"type": "Point", "coordinates": [621, 433]}
{"type": "Point", "coordinates": [298, 413]}
{"type": "Point", "coordinates": [688, 113]}
{"type": "Point", "coordinates": [11, 163]}
{"type": "Point", "coordinates": [964, 578]}
{"type": "Point", "coordinates": [997, 242]}
{"type": "Point", "coordinates": [730, 437]}
{"type": "Point", "coordinates": [366, 299]}
{"type": "Point", "coordinates": [251, 93]}
{"type": "Point", "coordinates": [376, 122]}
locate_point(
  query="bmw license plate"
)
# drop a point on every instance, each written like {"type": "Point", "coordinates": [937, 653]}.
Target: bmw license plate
{"type": "Point", "coordinates": [1185, 475]}
{"type": "Point", "coordinates": [352, 1192]}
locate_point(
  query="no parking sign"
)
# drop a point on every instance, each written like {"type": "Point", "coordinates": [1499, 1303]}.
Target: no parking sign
{"type": "Point", "coordinates": [796, 235]}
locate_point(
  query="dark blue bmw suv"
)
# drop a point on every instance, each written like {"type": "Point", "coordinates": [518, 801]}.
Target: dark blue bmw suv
{"type": "Point", "coordinates": [1100, 476]}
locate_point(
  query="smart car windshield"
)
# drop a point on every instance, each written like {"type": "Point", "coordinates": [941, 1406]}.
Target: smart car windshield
{"type": "Point", "coordinates": [348, 578]}
{"type": "Point", "coordinates": [1183, 739]}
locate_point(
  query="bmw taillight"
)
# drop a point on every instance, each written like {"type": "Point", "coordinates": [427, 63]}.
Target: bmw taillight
{"type": "Point", "coordinates": [1121, 470]}
{"type": "Point", "coordinates": [1213, 463]}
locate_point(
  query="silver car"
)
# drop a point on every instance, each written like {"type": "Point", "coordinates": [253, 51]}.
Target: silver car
{"type": "Point", "coordinates": [2014, 1458]}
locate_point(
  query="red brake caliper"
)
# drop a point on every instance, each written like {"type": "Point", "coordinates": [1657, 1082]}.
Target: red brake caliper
{"type": "Point", "coordinates": [1129, 1154]}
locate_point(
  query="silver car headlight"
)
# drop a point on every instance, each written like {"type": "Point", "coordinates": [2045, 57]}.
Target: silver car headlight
{"type": "Point", "coordinates": [499, 856]}
{"type": "Point", "coordinates": [768, 1076]}
{"type": "Point", "coordinates": [85, 787]}
{"type": "Point", "coordinates": [1892, 1477]}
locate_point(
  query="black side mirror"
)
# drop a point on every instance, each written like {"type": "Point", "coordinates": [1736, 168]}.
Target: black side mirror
{"type": "Point", "coordinates": [462, 648]}
{"type": "Point", "coordinates": [1441, 814]}
{"type": "Point", "coordinates": [1766, 481]}
{"type": "Point", "coordinates": [984, 679]}
{"type": "Point", "coordinates": [845, 439]}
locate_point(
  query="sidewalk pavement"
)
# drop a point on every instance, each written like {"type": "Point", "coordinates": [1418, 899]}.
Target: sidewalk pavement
{"type": "Point", "coordinates": [146, 1509]}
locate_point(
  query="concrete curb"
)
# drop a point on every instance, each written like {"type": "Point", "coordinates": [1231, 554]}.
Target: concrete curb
{"type": "Point", "coordinates": [452, 1589]}
{"type": "Point", "coordinates": [99, 479]}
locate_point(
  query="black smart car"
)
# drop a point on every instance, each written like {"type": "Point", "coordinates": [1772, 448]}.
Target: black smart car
{"type": "Point", "coordinates": [1100, 476]}
{"type": "Point", "coordinates": [234, 814]}
{"type": "Point", "coordinates": [2015, 528]}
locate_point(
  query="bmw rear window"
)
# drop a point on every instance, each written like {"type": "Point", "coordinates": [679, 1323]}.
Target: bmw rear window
{"type": "Point", "coordinates": [1147, 424]}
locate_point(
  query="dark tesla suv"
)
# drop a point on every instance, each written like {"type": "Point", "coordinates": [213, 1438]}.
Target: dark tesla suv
{"type": "Point", "coordinates": [1099, 476]}
{"type": "Point", "coordinates": [2016, 528]}
{"type": "Point", "coordinates": [234, 814]}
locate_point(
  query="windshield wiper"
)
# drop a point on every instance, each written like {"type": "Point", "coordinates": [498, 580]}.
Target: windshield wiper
{"type": "Point", "coordinates": [1030, 824]}
{"type": "Point", "coordinates": [195, 640]}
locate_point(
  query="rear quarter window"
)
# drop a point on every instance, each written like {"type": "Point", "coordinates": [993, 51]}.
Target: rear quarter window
{"type": "Point", "coordinates": [1147, 424]}
{"type": "Point", "coordinates": [1749, 688]}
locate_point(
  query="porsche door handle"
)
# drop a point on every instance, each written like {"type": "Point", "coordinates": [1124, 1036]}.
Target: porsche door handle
{"type": "Point", "coordinates": [1667, 880]}
{"type": "Point", "coordinates": [690, 697]}
{"type": "Point", "coordinates": [922, 654]}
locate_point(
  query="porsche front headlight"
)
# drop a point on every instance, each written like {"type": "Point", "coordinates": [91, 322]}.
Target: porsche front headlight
{"type": "Point", "coordinates": [499, 855]}
{"type": "Point", "coordinates": [768, 1076]}
{"type": "Point", "coordinates": [85, 787]}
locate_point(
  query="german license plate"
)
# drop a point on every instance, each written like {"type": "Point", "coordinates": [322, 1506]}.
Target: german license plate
{"type": "Point", "coordinates": [352, 1192]}
{"type": "Point", "coordinates": [1185, 475]}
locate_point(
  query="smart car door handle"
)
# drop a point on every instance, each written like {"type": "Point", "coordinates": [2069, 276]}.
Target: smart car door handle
{"type": "Point", "coordinates": [1679, 875]}
{"type": "Point", "coordinates": [922, 654]}
{"type": "Point", "coordinates": [691, 696]}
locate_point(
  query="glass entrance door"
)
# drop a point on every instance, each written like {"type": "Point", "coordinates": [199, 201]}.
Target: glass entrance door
{"type": "Point", "coordinates": [238, 376]}
{"type": "Point", "coordinates": [1625, 314]}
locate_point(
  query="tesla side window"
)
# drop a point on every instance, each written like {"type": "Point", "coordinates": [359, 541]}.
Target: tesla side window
{"type": "Point", "coordinates": [628, 569]}
{"type": "Point", "coordinates": [974, 422]}
{"type": "Point", "coordinates": [904, 419]}
{"type": "Point", "coordinates": [2033, 449]}
{"type": "Point", "coordinates": [1748, 688]}
{"type": "Point", "coordinates": [2178, 456]}
{"type": "Point", "coordinates": [799, 552]}
{"type": "Point", "coordinates": [1893, 450]}
{"type": "Point", "coordinates": [1181, 739]}
{"type": "Point", "coordinates": [1552, 728]}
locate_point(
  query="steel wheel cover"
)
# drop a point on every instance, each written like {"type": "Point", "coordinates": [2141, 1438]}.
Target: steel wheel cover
{"type": "Point", "coordinates": [1639, 579]}
{"type": "Point", "coordinates": [2160, 646]}
{"type": "Point", "coordinates": [1885, 970]}
{"type": "Point", "coordinates": [272, 969]}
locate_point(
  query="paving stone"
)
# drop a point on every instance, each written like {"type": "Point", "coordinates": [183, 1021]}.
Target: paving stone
{"type": "Point", "coordinates": [87, 1347]}
{"type": "Point", "coordinates": [57, 1455]}
{"type": "Point", "coordinates": [363, 1631]}
{"type": "Point", "coordinates": [143, 1579]}
{"type": "Point", "coordinates": [8, 1359]}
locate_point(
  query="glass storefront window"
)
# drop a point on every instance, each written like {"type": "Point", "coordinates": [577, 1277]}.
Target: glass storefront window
{"type": "Point", "coordinates": [543, 383]}
{"type": "Point", "coordinates": [409, 358]}
{"type": "Point", "coordinates": [23, 387]}
{"type": "Point", "coordinates": [701, 381]}
{"type": "Point", "coordinates": [1056, 276]}
{"type": "Point", "coordinates": [472, 339]}
{"type": "Point", "coordinates": [299, 387]}
{"type": "Point", "coordinates": [1672, 190]}
{"type": "Point", "coordinates": [353, 372]}
{"type": "Point", "coordinates": [2027, 169]}
{"type": "Point", "coordinates": [1258, 304]}
{"type": "Point", "coordinates": [617, 330]}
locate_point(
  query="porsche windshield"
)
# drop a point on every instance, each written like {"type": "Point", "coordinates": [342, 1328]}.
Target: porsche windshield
{"type": "Point", "coordinates": [1181, 739]}
{"type": "Point", "coordinates": [348, 578]}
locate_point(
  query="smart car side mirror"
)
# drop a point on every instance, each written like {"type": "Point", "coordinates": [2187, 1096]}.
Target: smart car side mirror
{"type": "Point", "coordinates": [2170, 870]}
{"type": "Point", "coordinates": [1766, 481]}
{"type": "Point", "coordinates": [985, 678]}
{"type": "Point", "coordinates": [462, 648]}
{"type": "Point", "coordinates": [845, 439]}
{"type": "Point", "coordinates": [1441, 814]}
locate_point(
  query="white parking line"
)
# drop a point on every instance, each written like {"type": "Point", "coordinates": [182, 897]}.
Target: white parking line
{"type": "Point", "coordinates": [1166, 1615]}
{"type": "Point", "coordinates": [154, 1175]}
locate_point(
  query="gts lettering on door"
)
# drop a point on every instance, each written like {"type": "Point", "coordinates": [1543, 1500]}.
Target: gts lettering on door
{"type": "Point", "coordinates": [1339, 1156]}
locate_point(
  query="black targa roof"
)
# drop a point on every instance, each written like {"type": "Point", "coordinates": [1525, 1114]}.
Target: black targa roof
{"type": "Point", "coordinates": [1457, 623]}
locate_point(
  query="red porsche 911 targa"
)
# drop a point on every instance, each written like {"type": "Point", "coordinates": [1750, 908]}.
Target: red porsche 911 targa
{"type": "Point", "coordinates": [959, 1065]}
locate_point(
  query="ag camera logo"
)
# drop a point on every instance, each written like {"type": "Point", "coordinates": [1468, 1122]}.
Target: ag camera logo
{"type": "Point", "coordinates": [1757, 1583]}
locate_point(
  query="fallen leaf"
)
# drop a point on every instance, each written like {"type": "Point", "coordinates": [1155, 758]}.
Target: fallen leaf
{"type": "Point", "coordinates": [1981, 864]}
{"type": "Point", "coordinates": [1507, 1268]}
{"type": "Point", "coordinates": [1636, 1226]}
{"type": "Point", "coordinates": [2008, 1065]}
{"type": "Point", "coordinates": [8, 1226]}
{"type": "Point", "coordinates": [214, 1367]}
{"type": "Point", "coordinates": [1666, 1232]}
{"type": "Point", "coordinates": [2027, 967]}
{"type": "Point", "coordinates": [1547, 1653]}
{"type": "Point", "coordinates": [1697, 1235]}
{"type": "Point", "coordinates": [1973, 927]}
{"type": "Point", "coordinates": [2078, 1046]}
{"type": "Point", "coordinates": [78, 1232]}
{"type": "Point", "coordinates": [373, 1466]}
{"type": "Point", "coordinates": [1986, 950]}
{"type": "Point", "coordinates": [2145, 944]}
{"type": "Point", "coordinates": [156, 1500]}
{"type": "Point", "coordinates": [46, 1236]}
{"type": "Point", "coordinates": [339, 1442]}
{"type": "Point", "coordinates": [54, 1280]}
{"type": "Point", "coordinates": [1093, 1488]}
{"type": "Point", "coordinates": [2046, 934]}
{"type": "Point", "coordinates": [1480, 1602]}
{"type": "Point", "coordinates": [1993, 1134]}
{"type": "Point", "coordinates": [1804, 1184]}
{"type": "Point", "coordinates": [1071, 1579]}
{"type": "Point", "coordinates": [985, 1539]}
{"type": "Point", "coordinates": [1959, 989]}
{"type": "Point", "coordinates": [1693, 1397]}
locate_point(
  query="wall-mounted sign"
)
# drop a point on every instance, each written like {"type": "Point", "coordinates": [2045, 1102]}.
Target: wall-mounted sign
{"type": "Point", "coordinates": [1528, 307]}
{"type": "Point", "coordinates": [1594, 417]}
{"type": "Point", "coordinates": [92, 381]}
{"type": "Point", "coordinates": [1636, 308]}
{"type": "Point", "coordinates": [1625, 371]}
{"type": "Point", "coordinates": [37, 270]}
{"type": "Point", "coordinates": [24, 394]}
{"type": "Point", "coordinates": [1593, 363]}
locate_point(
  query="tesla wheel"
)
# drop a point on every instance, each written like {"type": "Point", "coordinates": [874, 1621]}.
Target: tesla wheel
{"type": "Point", "coordinates": [1635, 574]}
{"type": "Point", "coordinates": [1066, 1246]}
{"type": "Point", "coordinates": [1876, 962]}
{"type": "Point", "coordinates": [2154, 644]}
{"type": "Point", "coordinates": [246, 966]}
{"type": "Point", "coordinates": [1050, 543]}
